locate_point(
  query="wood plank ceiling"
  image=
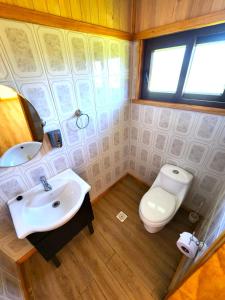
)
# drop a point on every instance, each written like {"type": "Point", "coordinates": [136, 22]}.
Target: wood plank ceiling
{"type": "Point", "coordinates": [154, 13]}
{"type": "Point", "coordinates": [114, 14]}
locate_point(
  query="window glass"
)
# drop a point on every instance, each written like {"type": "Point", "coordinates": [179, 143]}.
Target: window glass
{"type": "Point", "coordinates": [206, 73]}
{"type": "Point", "coordinates": [165, 69]}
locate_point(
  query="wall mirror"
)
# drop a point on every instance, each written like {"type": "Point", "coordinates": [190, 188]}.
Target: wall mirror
{"type": "Point", "coordinates": [21, 129]}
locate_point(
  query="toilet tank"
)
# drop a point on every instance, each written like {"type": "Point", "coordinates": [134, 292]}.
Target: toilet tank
{"type": "Point", "coordinates": [174, 180]}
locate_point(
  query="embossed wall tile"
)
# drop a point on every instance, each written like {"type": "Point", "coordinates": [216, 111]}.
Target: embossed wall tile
{"type": "Point", "coordinates": [207, 126]}
{"type": "Point", "coordinates": [105, 143]}
{"type": "Point", "coordinates": [125, 49]}
{"type": "Point", "coordinates": [117, 156]}
{"type": "Point", "coordinates": [97, 46]}
{"type": "Point", "coordinates": [84, 94]}
{"type": "Point", "coordinates": [148, 115]}
{"type": "Point", "coordinates": [108, 178]}
{"type": "Point", "coordinates": [54, 51]}
{"type": "Point", "coordinates": [164, 118]}
{"type": "Point", "coordinates": [59, 163]}
{"type": "Point", "coordinates": [144, 155]}
{"type": "Point", "coordinates": [98, 186]}
{"type": "Point", "coordinates": [100, 85]}
{"type": "Point", "coordinates": [107, 162]}
{"type": "Point", "coordinates": [21, 49]}
{"type": "Point", "coordinates": [116, 117]}
{"type": "Point", "coordinates": [78, 157]}
{"type": "Point", "coordinates": [221, 140]}
{"type": "Point", "coordinates": [125, 151]}
{"type": "Point", "coordinates": [146, 137]}
{"type": "Point", "coordinates": [176, 147]}
{"type": "Point", "coordinates": [92, 150]}
{"type": "Point", "coordinates": [156, 161]}
{"type": "Point", "coordinates": [115, 89]}
{"type": "Point", "coordinates": [116, 138]}
{"type": "Point", "coordinates": [126, 132]}
{"type": "Point", "coordinates": [71, 132]}
{"type": "Point", "coordinates": [82, 174]}
{"type": "Point", "coordinates": [64, 96]}
{"type": "Point", "coordinates": [208, 183]}
{"type": "Point", "coordinates": [218, 161]}
{"type": "Point", "coordinates": [95, 169]}
{"type": "Point", "coordinates": [103, 121]}
{"type": "Point", "coordinates": [37, 170]}
{"type": "Point", "coordinates": [78, 46]}
{"type": "Point", "coordinates": [132, 165]}
{"type": "Point", "coordinates": [90, 130]}
{"type": "Point", "coordinates": [11, 187]}
{"type": "Point", "coordinates": [184, 122]}
{"type": "Point", "coordinates": [133, 150]}
{"type": "Point", "coordinates": [196, 153]}
{"type": "Point", "coordinates": [197, 199]}
{"type": "Point", "coordinates": [160, 141]}
{"type": "Point", "coordinates": [40, 97]}
{"type": "Point", "coordinates": [125, 92]}
{"type": "Point", "coordinates": [126, 113]}
{"type": "Point", "coordinates": [126, 165]}
{"type": "Point", "coordinates": [117, 171]}
{"type": "Point", "coordinates": [134, 133]}
{"type": "Point", "coordinates": [142, 171]}
{"type": "Point", "coordinates": [135, 113]}
{"type": "Point", "coordinates": [114, 58]}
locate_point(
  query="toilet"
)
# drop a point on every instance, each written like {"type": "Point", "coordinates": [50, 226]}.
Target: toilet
{"type": "Point", "coordinates": [161, 202]}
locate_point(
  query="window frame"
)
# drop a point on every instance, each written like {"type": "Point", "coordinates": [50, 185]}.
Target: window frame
{"type": "Point", "coordinates": [190, 39]}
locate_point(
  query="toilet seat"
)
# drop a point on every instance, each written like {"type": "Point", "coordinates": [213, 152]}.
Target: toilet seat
{"type": "Point", "coordinates": [157, 205]}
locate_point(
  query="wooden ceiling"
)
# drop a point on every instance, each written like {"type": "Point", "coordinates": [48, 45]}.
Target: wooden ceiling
{"type": "Point", "coordinates": [126, 19]}
{"type": "Point", "coordinates": [114, 14]}
{"type": "Point", "coordinates": [155, 13]}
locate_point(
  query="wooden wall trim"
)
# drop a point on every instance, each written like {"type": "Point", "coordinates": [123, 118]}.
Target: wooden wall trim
{"type": "Point", "coordinates": [13, 12]}
{"type": "Point", "coordinates": [202, 109]}
{"type": "Point", "coordinates": [194, 23]}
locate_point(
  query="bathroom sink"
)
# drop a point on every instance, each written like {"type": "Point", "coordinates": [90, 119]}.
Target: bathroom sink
{"type": "Point", "coordinates": [37, 210]}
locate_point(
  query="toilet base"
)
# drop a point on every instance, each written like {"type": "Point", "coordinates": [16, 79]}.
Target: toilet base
{"type": "Point", "coordinates": [153, 229]}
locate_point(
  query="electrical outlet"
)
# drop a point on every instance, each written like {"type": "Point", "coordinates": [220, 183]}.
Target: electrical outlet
{"type": "Point", "coordinates": [121, 216]}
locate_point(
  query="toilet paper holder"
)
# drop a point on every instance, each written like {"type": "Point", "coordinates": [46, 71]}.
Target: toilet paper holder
{"type": "Point", "coordinates": [199, 244]}
{"type": "Point", "coordinates": [189, 245]}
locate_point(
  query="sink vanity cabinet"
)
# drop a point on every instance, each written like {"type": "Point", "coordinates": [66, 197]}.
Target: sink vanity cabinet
{"type": "Point", "coordinates": [50, 242]}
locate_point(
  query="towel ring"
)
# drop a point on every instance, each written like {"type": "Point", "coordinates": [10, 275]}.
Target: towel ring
{"type": "Point", "coordinates": [81, 124]}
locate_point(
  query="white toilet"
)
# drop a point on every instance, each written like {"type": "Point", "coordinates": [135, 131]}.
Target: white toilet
{"type": "Point", "coordinates": [161, 202]}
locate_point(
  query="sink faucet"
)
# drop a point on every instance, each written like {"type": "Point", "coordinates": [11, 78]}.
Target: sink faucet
{"type": "Point", "coordinates": [46, 185]}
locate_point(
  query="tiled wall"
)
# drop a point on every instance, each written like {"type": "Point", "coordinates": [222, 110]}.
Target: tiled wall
{"type": "Point", "coordinates": [60, 71]}
{"type": "Point", "coordinates": [193, 141]}
{"type": "Point", "coordinates": [9, 283]}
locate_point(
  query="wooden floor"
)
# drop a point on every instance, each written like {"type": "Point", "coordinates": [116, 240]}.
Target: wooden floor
{"type": "Point", "coordinates": [119, 261]}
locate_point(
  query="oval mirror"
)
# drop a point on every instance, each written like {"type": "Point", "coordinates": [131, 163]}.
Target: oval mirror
{"type": "Point", "coordinates": [20, 127]}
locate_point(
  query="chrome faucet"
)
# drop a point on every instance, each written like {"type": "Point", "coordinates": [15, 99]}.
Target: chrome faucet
{"type": "Point", "coordinates": [46, 185]}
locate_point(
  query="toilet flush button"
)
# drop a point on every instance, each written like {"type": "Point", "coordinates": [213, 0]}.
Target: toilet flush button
{"type": "Point", "coordinates": [175, 171]}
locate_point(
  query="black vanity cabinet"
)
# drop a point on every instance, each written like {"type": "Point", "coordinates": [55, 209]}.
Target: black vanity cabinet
{"type": "Point", "coordinates": [50, 242]}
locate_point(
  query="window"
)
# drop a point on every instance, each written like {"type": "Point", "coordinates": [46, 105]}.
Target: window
{"type": "Point", "coordinates": [165, 69]}
{"type": "Point", "coordinates": [187, 67]}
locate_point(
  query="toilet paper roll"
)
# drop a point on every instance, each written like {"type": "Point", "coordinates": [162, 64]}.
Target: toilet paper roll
{"type": "Point", "coordinates": [188, 244]}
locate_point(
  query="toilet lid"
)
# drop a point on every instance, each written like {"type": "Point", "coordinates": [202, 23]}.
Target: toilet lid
{"type": "Point", "coordinates": [157, 205]}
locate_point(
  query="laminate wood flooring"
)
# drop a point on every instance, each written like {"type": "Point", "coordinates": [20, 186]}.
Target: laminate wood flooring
{"type": "Point", "coordinates": [119, 261]}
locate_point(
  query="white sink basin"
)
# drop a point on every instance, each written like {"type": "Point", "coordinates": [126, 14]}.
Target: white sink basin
{"type": "Point", "coordinates": [43, 211]}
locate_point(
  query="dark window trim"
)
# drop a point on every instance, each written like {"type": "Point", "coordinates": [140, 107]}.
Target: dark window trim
{"type": "Point", "coordinates": [188, 38]}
